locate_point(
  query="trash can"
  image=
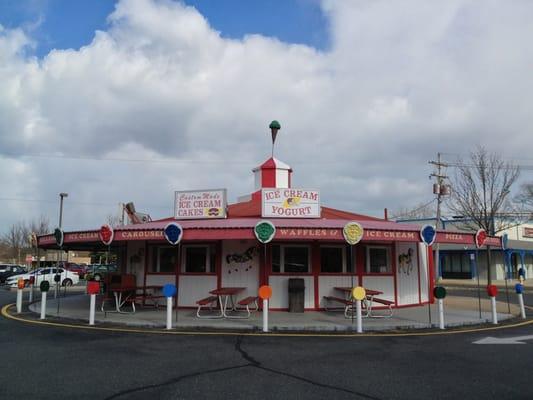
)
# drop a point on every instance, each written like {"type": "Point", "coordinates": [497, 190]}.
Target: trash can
{"type": "Point", "coordinates": [296, 295]}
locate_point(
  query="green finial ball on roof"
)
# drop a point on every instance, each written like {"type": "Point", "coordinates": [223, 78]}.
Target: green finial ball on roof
{"type": "Point", "coordinates": [274, 125]}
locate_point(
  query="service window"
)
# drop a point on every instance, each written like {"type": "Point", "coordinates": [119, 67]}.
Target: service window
{"type": "Point", "coordinates": [199, 259]}
{"type": "Point", "coordinates": [292, 259]}
{"type": "Point", "coordinates": [378, 260]}
{"type": "Point", "coordinates": [335, 259]}
{"type": "Point", "coordinates": [164, 259]}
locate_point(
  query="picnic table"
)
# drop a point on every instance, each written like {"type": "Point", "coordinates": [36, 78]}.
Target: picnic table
{"type": "Point", "coordinates": [130, 294]}
{"type": "Point", "coordinates": [224, 294]}
{"type": "Point", "coordinates": [368, 302]}
{"type": "Point", "coordinates": [225, 298]}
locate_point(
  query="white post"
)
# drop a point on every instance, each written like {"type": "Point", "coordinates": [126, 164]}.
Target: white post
{"type": "Point", "coordinates": [441, 313]}
{"type": "Point", "coordinates": [19, 301]}
{"type": "Point", "coordinates": [92, 309]}
{"type": "Point", "coordinates": [265, 315]}
{"type": "Point", "coordinates": [494, 314]}
{"type": "Point", "coordinates": [359, 316]}
{"type": "Point", "coordinates": [522, 308]}
{"type": "Point", "coordinates": [43, 305]}
{"type": "Point", "coordinates": [169, 312]}
{"type": "Point", "coordinates": [30, 298]}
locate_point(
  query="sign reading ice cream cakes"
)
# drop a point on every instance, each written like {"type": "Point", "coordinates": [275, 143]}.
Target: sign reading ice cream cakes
{"type": "Point", "coordinates": [200, 204]}
{"type": "Point", "coordinates": [290, 203]}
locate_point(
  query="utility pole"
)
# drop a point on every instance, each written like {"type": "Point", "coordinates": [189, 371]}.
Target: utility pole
{"type": "Point", "coordinates": [440, 189]}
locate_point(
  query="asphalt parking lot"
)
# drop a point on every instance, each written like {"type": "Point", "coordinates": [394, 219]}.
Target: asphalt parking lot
{"type": "Point", "coordinates": [50, 363]}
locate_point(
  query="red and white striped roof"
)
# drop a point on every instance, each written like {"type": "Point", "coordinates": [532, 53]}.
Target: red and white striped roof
{"type": "Point", "coordinates": [273, 173]}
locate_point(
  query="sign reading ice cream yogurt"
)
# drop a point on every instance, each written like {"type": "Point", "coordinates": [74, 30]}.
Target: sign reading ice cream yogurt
{"type": "Point", "coordinates": [201, 204]}
{"type": "Point", "coordinates": [290, 203]}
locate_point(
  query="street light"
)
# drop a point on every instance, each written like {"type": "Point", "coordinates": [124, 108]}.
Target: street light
{"type": "Point", "coordinates": [61, 196]}
{"type": "Point", "coordinates": [60, 257]}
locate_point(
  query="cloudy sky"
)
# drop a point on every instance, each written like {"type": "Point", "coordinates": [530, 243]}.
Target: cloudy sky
{"type": "Point", "coordinates": [134, 99]}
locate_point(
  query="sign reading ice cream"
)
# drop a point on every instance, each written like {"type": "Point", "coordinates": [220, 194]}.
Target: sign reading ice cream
{"type": "Point", "coordinates": [200, 204]}
{"type": "Point", "coordinates": [290, 203]}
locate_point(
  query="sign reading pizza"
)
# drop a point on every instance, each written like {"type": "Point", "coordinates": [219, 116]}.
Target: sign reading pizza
{"type": "Point", "coordinates": [290, 203]}
{"type": "Point", "coordinates": [201, 204]}
{"type": "Point", "coordinates": [528, 232]}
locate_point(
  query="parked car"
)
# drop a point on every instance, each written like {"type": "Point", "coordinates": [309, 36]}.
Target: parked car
{"type": "Point", "coordinates": [98, 271]}
{"type": "Point", "coordinates": [76, 268]}
{"type": "Point", "coordinates": [10, 270]}
{"type": "Point", "coordinates": [68, 278]}
{"type": "Point", "coordinates": [5, 267]}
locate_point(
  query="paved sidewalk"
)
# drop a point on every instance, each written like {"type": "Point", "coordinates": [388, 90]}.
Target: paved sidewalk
{"type": "Point", "coordinates": [459, 311]}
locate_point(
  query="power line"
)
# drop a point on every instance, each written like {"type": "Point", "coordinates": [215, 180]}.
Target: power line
{"type": "Point", "coordinates": [72, 202]}
{"type": "Point", "coordinates": [162, 160]}
{"type": "Point", "coordinates": [459, 163]}
{"type": "Point", "coordinates": [134, 160]}
{"type": "Point", "coordinates": [464, 165]}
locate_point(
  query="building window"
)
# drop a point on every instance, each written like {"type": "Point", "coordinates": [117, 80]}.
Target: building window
{"type": "Point", "coordinates": [378, 260]}
{"type": "Point", "coordinates": [199, 259]}
{"type": "Point", "coordinates": [165, 259]}
{"type": "Point", "coordinates": [290, 259]}
{"type": "Point", "coordinates": [335, 259]}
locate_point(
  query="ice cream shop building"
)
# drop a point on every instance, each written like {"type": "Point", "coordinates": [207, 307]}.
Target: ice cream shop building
{"type": "Point", "coordinates": [304, 238]}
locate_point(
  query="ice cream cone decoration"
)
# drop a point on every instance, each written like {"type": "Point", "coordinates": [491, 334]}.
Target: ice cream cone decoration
{"type": "Point", "coordinates": [274, 128]}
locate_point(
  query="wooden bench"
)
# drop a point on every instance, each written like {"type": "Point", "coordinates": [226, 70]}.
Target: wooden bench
{"type": "Point", "coordinates": [207, 302]}
{"type": "Point", "coordinates": [244, 306]}
{"type": "Point", "coordinates": [348, 304]}
{"type": "Point", "coordinates": [384, 302]}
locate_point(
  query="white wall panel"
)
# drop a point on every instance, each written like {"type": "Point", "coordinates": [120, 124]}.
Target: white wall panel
{"type": "Point", "coordinates": [192, 288]}
{"type": "Point", "coordinates": [280, 291]}
{"type": "Point", "coordinates": [407, 273]}
{"type": "Point", "coordinates": [160, 280]}
{"type": "Point", "coordinates": [240, 266]}
{"type": "Point", "coordinates": [135, 260]}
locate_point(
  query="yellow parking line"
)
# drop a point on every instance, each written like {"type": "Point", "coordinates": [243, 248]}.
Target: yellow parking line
{"type": "Point", "coordinates": [6, 314]}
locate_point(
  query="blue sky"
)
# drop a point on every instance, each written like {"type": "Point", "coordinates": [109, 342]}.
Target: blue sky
{"type": "Point", "coordinates": [63, 24]}
{"type": "Point", "coordinates": [167, 102]}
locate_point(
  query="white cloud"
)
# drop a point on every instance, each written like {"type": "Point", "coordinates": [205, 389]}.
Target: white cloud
{"type": "Point", "coordinates": [401, 81]}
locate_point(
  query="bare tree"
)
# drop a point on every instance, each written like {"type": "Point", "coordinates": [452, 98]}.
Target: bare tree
{"type": "Point", "coordinates": [480, 189]}
{"type": "Point", "coordinates": [4, 251]}
{"type": "Point", "coordinates": [17, 238]}
{"type": "Point", "coordinates": [525, 197]}
{"type": "Point", "coordinates": [419, 211]}
{"type": "Point", "coordinates": [39, 226]}
{"type": "Point", "coordinates": [14, 240]}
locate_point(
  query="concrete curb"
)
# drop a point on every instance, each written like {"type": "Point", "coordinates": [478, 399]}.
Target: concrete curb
{"type": "Point", "coordinates": [511, 323]}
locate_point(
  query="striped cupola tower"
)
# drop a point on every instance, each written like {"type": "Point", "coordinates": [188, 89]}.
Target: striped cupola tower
{"type": "Point", "coordinates": [273, 173]}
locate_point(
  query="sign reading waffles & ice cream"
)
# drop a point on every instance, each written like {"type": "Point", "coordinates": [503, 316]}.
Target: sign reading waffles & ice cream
{"type": "Point", "coordinates": [200, 204]}
{"type": "Point", "coordinates": [290, 203]}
